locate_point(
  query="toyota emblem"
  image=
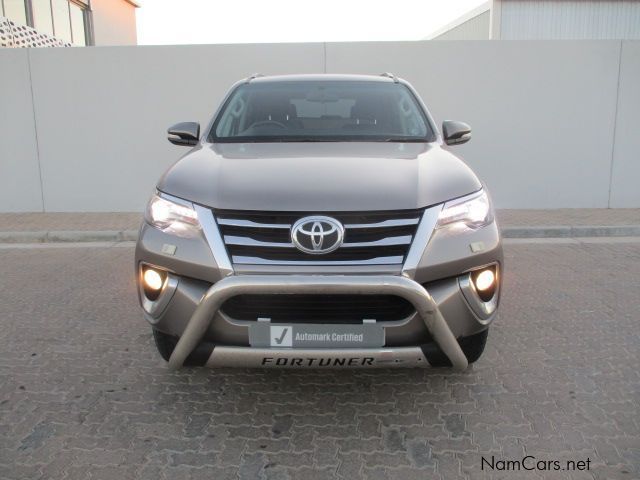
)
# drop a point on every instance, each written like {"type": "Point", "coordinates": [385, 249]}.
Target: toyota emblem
{"type": "Point", "coordinates": [317, 234]}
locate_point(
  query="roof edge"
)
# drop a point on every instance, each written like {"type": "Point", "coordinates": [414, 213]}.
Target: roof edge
{"type": "Point", "coordinates": [479, 10]}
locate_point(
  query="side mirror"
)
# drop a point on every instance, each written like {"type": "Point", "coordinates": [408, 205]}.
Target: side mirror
{"type": "Point", "coordinates": [185, 133]}
{"type": "Point", "coordinates": [455, 133]}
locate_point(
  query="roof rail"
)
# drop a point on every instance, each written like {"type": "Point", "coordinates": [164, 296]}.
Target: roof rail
{"type": "Point", "coordinates": [391, 76]}
{"type": "Point", "coordinates": [255, 75]}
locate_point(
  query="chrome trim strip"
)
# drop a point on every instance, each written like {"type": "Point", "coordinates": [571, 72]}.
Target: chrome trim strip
{"type": "Point", "coordinates": [171, 198]}
{"type": "Point", "coordinates": [233, 222]}
{"type": "Point", "coordinates": [386, 223]}
{"type": "Point", "coordinates": [421, 240]}
{"type": "Point", "coordinates": [231, 286]}
{"type": "Point", "coordinates": [214, 239]}
{"type": "Point", "coordinates": [248, 241]}
{"type": "Point", "coordinates": [239, 259]}
{"type": "Point", "coordinates": [384, 242]}
{"type": "Point", "coordinates": [247, 357]}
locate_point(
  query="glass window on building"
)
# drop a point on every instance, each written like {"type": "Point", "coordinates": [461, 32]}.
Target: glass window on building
{"type": "Point", "coordinates": [15, 11]}
{"type": "Point", "coordinates": [61, 20]}
{"type": "Point", "coordinates": [42, 18]}
{"type": "Point", "coordinates": [77, 24]}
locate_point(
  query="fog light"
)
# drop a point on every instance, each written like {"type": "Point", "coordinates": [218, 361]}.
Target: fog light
{"type": "Point", "coordinates": [152, 279]}
{"type": "Point", "coordinates": [485, 280]}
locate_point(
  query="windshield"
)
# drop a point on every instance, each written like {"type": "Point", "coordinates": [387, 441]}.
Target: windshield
{"type": "Point", "coordinates": [321, 111]}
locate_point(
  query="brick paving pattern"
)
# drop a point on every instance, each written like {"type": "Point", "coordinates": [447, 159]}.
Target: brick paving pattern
{"type": "Point", "coordinates": [569, 216]}
{"type": "Point", "coordinates": [33, 222]}
{"type": "Point", "coordinates": [83, 394]}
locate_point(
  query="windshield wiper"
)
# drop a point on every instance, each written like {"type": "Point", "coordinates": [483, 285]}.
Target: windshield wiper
{"type": "Point", "coordinates": [405, 139]}
{"type": "Point", "coordinates": [294, 138]}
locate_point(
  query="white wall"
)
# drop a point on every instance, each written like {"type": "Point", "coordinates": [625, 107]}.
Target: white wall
{"type": "Point", "coordinates": [542, 112]}
{"type": "Point", "coordinates": [89, 124]}
{"type": "Point", "coordinates": [625, 169]}
{"type": "Point", "coordinates": [19, 168]}
{"type": "Point", "coordinates": [103, 113]}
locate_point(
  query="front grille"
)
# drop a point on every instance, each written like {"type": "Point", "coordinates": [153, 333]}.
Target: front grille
{"type": "Point", "coordinates": [318, 308]}
{"type": "Point", "coordinates": [372, 238]}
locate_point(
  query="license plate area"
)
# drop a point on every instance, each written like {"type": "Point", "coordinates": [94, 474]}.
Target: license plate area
{"type": "Point", "coordinates": [308, 335]}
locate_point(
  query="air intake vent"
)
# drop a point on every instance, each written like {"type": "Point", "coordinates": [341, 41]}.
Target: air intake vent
{"type": "Point", "coordinates": [318, 308]}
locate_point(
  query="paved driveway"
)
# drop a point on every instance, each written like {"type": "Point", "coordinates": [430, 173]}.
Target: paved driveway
{"type": "Point", "coordinates": [84, 395]}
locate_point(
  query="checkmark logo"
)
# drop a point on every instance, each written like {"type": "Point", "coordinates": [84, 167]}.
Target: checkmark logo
{"type": "Point", "coordinates": [281, 336]}
{"type": "Point", "coordinates": [281, 339]}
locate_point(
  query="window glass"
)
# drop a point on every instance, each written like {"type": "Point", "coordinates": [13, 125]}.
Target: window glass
{"type": "Point", "coordinates": [61, 22]}
{"type": "Point", "coordinates": [340, 108]}
{"type": "Point", "coordinates": [42, 18]}
{"type": "Point", "coordinates": [321, 110]}
{"type": "Point", "coordinates": [14, 10]}
{"type": "Point", "coordinates": [77, 25]}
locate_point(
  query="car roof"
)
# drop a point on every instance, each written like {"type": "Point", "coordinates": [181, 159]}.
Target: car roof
{"type": "Point", "coordinates": [321, 77]}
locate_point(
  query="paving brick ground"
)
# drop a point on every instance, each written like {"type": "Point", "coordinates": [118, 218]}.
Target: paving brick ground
{"type": "Point", "coordinates": [27, 222]}
{"type": "Point", "coordinates": [30, 222]}
{"type": "Point", "coordinates": [84, 395]}
{"type": "Point", "coordinates": [569, 216]}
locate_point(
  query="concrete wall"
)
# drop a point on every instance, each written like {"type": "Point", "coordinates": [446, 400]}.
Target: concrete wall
{"type": "Point", "coordinates": [20, 187]}
{"type": "Point", "coordinates": [625, 167]}
{"type": "Point", "coordinates": [114, 22]}
{"type": "Point", "coordinates": [554, 122]}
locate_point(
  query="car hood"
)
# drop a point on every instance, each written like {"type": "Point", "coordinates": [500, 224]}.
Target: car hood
{"type": "Point", "coordinates": [319, 177]}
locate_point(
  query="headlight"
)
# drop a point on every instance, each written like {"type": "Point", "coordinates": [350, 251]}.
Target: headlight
{"type": "Point", "coordinates": [474, 211]}
{"type": "Point", "coordinates": [172, 217]}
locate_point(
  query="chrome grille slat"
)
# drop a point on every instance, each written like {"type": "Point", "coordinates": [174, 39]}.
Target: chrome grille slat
{"type": "Point", "coordinates": [370, 238]}
{"type": "Point", "coordinates": [248, 241]}
{"type": "Point", "coordinates": [235, 222]}
{"type": "Point", "coordinates": [386, 223]}
{"type": "Point", "coordinates": [262, 261]}
{"type": "Point", "coordinates": [404, 240]}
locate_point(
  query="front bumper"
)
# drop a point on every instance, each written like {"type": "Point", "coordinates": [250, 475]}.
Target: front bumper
{"type": "Point", "coordinates": [404, 287]}
{"type": "Point", "coordinates": [434, 279]}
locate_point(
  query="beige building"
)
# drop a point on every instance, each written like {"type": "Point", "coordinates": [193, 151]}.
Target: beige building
{"type": "Point", "coordinates": [50, 23]}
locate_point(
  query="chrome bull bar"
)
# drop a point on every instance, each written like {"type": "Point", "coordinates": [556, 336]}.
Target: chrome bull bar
{"type": "Point", "coordinates": [234, 285]}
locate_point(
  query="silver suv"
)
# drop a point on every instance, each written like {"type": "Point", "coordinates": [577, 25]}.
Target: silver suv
{"type": "Point", "coordinates": [320, 221]}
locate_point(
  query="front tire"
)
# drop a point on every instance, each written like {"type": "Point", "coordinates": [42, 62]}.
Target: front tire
{"type": "Point", "coordinates": [473, 346]}
{"type": "Point", "coordinates": [164, 343]}
{"type": "Point", "coordinates": [167, 343]}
